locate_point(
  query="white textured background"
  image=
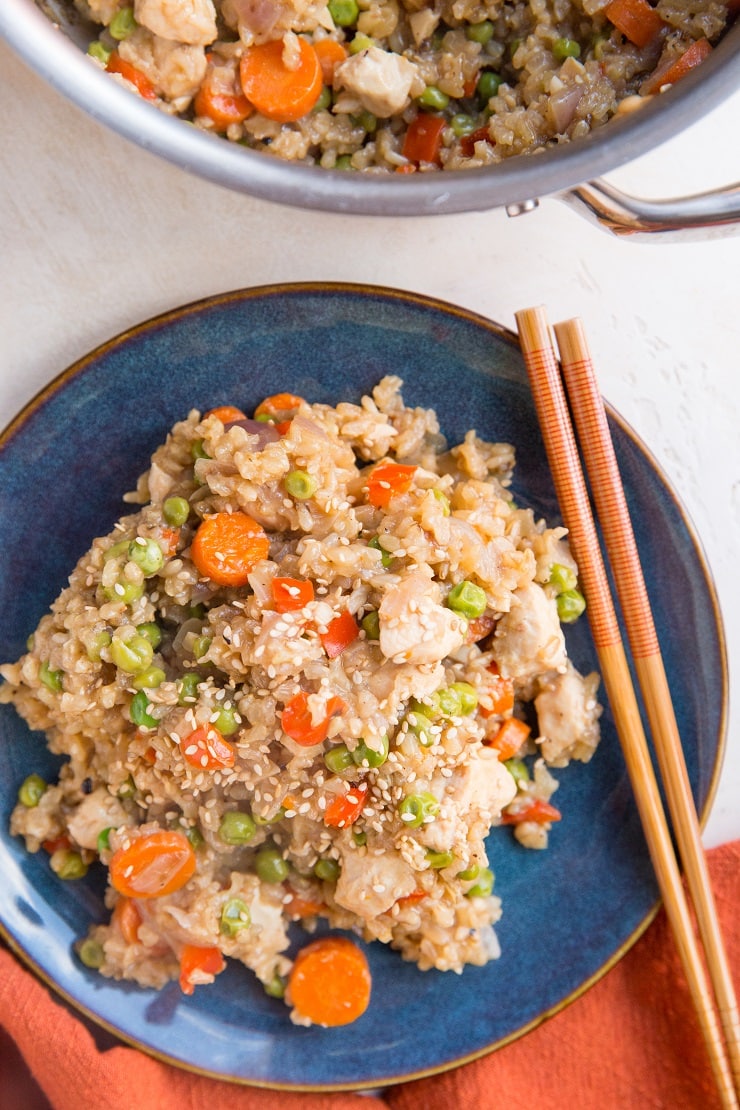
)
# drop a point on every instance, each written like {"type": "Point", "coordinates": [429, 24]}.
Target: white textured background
{"type": "Point", "coordinates": [97, 235]}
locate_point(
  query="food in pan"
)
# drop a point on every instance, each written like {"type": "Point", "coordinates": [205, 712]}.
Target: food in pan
{"type": "Point", "coordinates": [398, 86]}
{"type": "Point", "coordinates": [300, 681]}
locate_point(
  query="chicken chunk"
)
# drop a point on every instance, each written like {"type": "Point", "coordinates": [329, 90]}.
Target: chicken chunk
{"type": "Point", "coordinates": [414, 627]}
{"type": "Point", "coordinates": [381, 82]}
{"type": "Point", "coordinates": [188, 21]}
{"type": "Point", "coordinates": [568, 715]}
{"type": "Point", "coordinates": [528, 639]}
{"type": "Point", "coordinates": [175, 70]}
{"type": "Point", "coordinates": [369, 885]}
{"type": "Point", "coordinates": [99, 810]}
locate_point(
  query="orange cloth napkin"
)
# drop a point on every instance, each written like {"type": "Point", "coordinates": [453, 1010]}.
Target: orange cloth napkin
{"type": "Point", "coordinates": [630, 1041]}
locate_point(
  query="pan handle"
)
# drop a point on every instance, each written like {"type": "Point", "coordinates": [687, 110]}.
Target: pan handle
{"type": "Point", "coordinates": [703, 216]}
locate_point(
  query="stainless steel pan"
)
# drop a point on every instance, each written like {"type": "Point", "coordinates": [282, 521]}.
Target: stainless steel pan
{"type": "Point", "coordinates": [53, 43]}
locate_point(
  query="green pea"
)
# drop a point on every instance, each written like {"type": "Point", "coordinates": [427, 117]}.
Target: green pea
{"type": "Point", "coordinates": [434, 98]}
{"type": "Point", "coordinates": [416, 808]}
{"type": "Point", "coordinates": [30, 642]}
{"type": "Point", "coordinates": [195, 837]}
{"type": "Point", "coordinates": [201, 644]}
{"type": "Point", "coordinates": [338, 759]}
{"type": "Point", "coordinates": [565, 48]}
{"type": "Point", "coordinates": [139, 711]}
{"type": "Point", "coordinates": [68, 864]}
{"type": "Point", "coordinates": [187, 688]}
{"type": "Point", "coordinates": [150, 679]}
{"type": "Point", "coordinates": [570, 605]}
{"type": "Point", "coordinates": [367, 121]}
{"type": "Point", "coordinates": [91, 953]}
{"type": "Point", "coordinates": [51, 679]}
{"type": "Point", "coordinates": [103, 841]}
{"type": "Point", "coordinates": [324, 100]}
{"type": "Point", "coordinates": [483, 885]}
{"type": "Point", "coordinates": [360, 837]}
{"type": "Point", "coordinates": [344, 162]}
{"type": "Point", "coordinates": [276, 986]}
{"type": "Point", "coordinates": [457, 700]}
{"type": "Point", "coordinates": [134, 656]}
{"type": "Point", "coordinates": [235, 916]}
{"type": "Point", "coordinates": [470, 873]}
{"type": "Point", "coordinates": [151, 632]}
{"type": "Point", "coordinates": [438, 860]}
{"type": "Point", "coordinates": [198, 451]}
{"type": "Point", "coordinates": [100, 52]}
{"type": "Point", "coordinates": [385, 556]}
{"type": "Point", "coordinates": [197, 612]}
{"type": "Point", "coordinates": [467, 599]}
{"type": "Point", "coordinates": [480, 32]}
{"type": "Point", "coordinates": [236, 827]}
{"type": "Point", "coordinates": [127, 789]}
{"type": "Point", "coordinates": [176, 511]}
{"type": "Point", "coordinates": [370, 625]}
{"type": "Point", "coordinates": [31, 791]}
{"type": "Point", "coordinates": [365, 755]}
{"type": "Point", "coordinates": [360, 42]}
{"type": "Point", "coordinates": [300, 484]}
{"type": "Point", "coordinates": [125, 591]}
{"type": "Point", "coordinates": [122, 24]}
{"type": "Point", "coordinates": [344, 12]}
{"type": "Point", "coordinates": [518, 770]}
{"type": "Point", "coordinates": [328, 870]}
{"type": "Point", "coordinates": [96, 643]}
{"type": "Point", "coordinates": [270, 866]}
{"type": "Point", "coordinates": [562, 578]}
{"type": "Point", "coordinates": [419, 720]}
{"type": "Point", "coordinates": [488, 85]}
{"type": "Point", "coordinates": [227, 722]}
{"type": "Point", "coordinates": [147, 554]}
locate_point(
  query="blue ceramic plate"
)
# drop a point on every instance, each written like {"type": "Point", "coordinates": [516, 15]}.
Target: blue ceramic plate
{"type": "Point", "coordinates": [570, 912]}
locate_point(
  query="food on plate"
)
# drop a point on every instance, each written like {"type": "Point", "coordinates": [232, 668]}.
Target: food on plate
{"type": "Point", "coordinates": [401, 85]}
{"type": "Point", "coordinates": [300, 681]}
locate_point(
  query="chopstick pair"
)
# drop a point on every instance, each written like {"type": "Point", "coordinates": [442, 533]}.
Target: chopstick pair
{"type": "Point", "coordinates": [598, 452]}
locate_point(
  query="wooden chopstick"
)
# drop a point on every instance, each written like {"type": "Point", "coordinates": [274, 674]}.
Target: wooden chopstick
{"type": "Point", "coordinates": [602, 469]}
{"type": "Point", "coordinates": [570, 487]}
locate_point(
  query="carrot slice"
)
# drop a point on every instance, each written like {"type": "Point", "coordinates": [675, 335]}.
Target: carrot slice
{"type": "Point", "coordinates": [199, 965]}
{"type": "Point", "coordinates": [509, 738]}
{"type": "Point", "coordinates": [346, 808]}
{"type": "Point", "coordinates": [154, 864]}
{"type": "Point", "coordinates": [636, 20]}
{"type": "Point", "coordinates": [423, 139]}
{"type": "Point", "coordinates": [291, 594]}
{"type": "Point", "coordinates": [340, 633]}
{"type": "Point", "coordinates": [298, 723]}
{"type": "Point", "coordinates": [537, 810]}
{"type": "Point", "coordinates": [134, 76]}
{"type": "Point", "coordinates": [227, 547]}
{"type": "Point", "coordinates": [57, 842]}
{"type": "Point", "coordinates": [128, 919]}
{"type": "Point", "coordinates": [276, 91]}
{"type": "Point", "coordinates": [675, 70]}
{"type": "Point", "coordinates": [280, 407]}
{"type": "Point", "coordinates": [386, 479]}
{"type": "Point", "coordinates": [226, 413]}
{"type": "Point", "coordinates": [330, 53]}
{"type": "Point", "coordinates": [330, 982]}
{"type": "Point", "coordinates": [412, 898]}
{"type": "Point", "coordinates": [206, 749]}
{"type": "Point", "coordinates": [220, 100]}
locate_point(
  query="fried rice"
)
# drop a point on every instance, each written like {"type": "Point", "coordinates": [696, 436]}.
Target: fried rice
{"type": "Point", "coordinates": [387, 86]}
{"type": "Point", "coordinates": [326, 735]}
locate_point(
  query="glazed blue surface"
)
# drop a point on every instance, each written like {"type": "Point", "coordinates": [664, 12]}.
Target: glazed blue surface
{"type": "Point", "coordinates": [568, 912]}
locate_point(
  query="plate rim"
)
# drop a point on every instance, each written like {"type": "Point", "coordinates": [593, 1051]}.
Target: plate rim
{"type": "Point", "coordinates": [408, 298]}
